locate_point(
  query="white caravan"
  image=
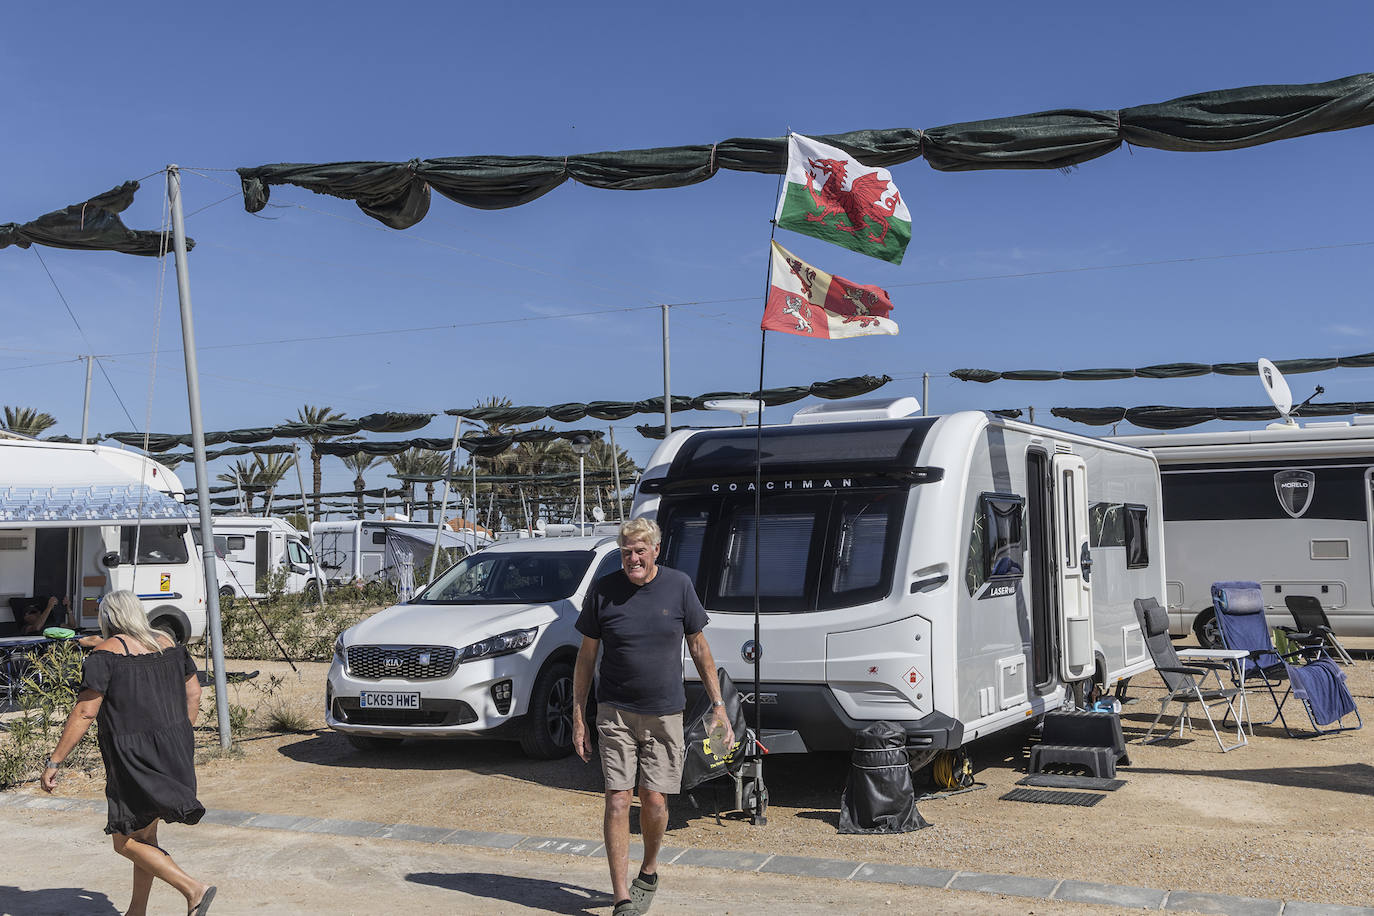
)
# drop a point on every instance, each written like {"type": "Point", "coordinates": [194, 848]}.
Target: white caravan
{"type": "Point", "coordinates": [380, 549]}
{"type": "Point", "coordinates": [1288, 507]}
{"type": "Point", "coordinates": [85, 520]}
{"type": "Point", "coordinates": [251, 548]}
{"type": "Point", "coordinates": [956, 574]}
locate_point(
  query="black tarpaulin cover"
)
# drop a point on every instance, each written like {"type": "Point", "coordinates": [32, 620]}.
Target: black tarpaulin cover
{"type": "Point", "coordinates": [878, 794]}
{"type": "Point", "coordinates": [92, 225]}
{"type": "Point", "coordinates": [388, 422]}
{"type": "Point", "coordinates": [1164, 417]}
{"type": "Point", "coordinates": [1167, 370]}
{"type": "Point", "coordinates": [397, 193]}
{"type": "Point", "coordinates": [485, 446]}
{"type": "Point", "coordinates": [832, 389]}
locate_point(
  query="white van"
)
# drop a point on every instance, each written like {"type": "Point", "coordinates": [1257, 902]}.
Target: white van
{"type": "Point", "coordinates": [373, 549]}
{"type": "Point", "coordinates": [251, 548]}
{"type": "Point", "coordinates": [1289, 507]}
{"type": "Point", "coordinates": [84, 520]}
{"type": "Point", "coordinates": [956, 575]}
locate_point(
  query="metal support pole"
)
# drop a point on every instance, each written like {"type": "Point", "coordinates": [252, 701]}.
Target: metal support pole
{"type": "Point", "coordinates": [86, 402]}
{"type": "Point", "coordinates": [615, 465]}
{"type": "Point", "coordinates": [207, 534]}
{"type": "Point", "coordinates": [443, 503]}
{"type": "Point", "coordinates": [667, 396]}
{"type": "Point", "coordinates": [925, 394]}
{"type": "Point", "coordinates": [309, 525]}
{"type": "Point", "coordinates": [581, 495]}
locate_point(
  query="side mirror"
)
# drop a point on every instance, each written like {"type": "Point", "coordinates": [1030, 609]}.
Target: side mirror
{"type": "Point", "coordinates": [110, 560]}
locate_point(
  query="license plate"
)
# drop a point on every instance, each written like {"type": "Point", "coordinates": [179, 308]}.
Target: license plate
{"type": "Point", "coordinates": [378, 700]}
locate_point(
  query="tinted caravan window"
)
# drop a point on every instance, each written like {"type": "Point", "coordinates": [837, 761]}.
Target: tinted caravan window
{"type": "Point", "coordinates": [996, 540]}
{"type": "Point", "coordinates": [1137, 537]}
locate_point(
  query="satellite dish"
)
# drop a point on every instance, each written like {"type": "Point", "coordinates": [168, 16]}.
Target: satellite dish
{"type": "Point", "coordinates": [742, 406]}
{"type": "Point", "coordinates": [540, 524]}
{"type": "Point", "coordinates": [1276, 387]}
{"type": "Point", "coordinates": [598, 513]}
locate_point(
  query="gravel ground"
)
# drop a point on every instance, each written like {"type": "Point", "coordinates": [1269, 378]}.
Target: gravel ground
{"type": "Point", "coordinates": [1254, 822]}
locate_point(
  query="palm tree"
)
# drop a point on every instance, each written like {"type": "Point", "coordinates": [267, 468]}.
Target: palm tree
{"type": "Point", "coordinates": [358, 463]}
{"type": "Point", "coordinates": [417, 462]}
{"type": "Point", "coordinates": [268, 472]}
{"type": "Point", "coordinates": [316, 416]}
{"type": "Point", "coordinates": [243, 475]}
{"type": "Point", "coordinates": [26, 421]}
{"type": "Point", "coordinates": [600, 459]}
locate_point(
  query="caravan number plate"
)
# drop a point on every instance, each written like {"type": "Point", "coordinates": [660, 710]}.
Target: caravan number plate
{"type": "Point", "coordinates": [371, 699]}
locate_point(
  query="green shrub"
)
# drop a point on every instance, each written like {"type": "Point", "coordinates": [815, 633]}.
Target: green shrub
{"type": "Point", "coordinates": [48, 693]}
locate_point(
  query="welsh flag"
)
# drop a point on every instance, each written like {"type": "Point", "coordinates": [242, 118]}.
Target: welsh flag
{"type": "Point", "coordinates": [812, 303]}
{"type": "Point", "coordinates": [836, 198]}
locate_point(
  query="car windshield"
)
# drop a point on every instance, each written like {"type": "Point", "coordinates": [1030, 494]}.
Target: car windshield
{"type": "Point", "coordinates": [491, 577]}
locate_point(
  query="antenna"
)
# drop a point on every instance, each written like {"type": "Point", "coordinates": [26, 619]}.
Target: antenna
{"type": "Point", "coordinates": [742, 406]}
{"type": "Point", "coordinates": [1280, 395]}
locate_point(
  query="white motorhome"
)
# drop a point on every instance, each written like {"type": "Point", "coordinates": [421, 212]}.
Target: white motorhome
{"type": "Point", "coordinates": [84, 520]}
{"type": "Point", "coordinates": [954, 574]}
{"type": "Point", "coordinates": [373, 549]}
{"type": "Point", "coordinates": [252, 548]}
{"type": "Point", "coordinates": [1288, 507]}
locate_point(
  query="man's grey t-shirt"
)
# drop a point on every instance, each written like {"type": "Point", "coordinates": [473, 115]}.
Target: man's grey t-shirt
{"type": "Point", "coordinates": [641, 630]}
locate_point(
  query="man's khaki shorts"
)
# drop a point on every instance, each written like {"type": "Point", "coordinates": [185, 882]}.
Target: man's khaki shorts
{"type": "Point", "coordinates": [633, 740]}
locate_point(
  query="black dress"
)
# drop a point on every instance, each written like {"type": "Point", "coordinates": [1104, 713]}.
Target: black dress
{"type": "Point", "coordinates": [145, 737]}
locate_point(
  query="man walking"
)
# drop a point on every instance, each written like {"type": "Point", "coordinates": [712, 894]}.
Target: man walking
{"type": "Point", "coordinates": [638, 618]}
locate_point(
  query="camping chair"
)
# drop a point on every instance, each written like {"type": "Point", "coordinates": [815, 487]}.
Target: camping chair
{"type": "Point", "coordinates": [1312, 677]}
{"type": "Point", "coordinates": [1311, 619]}
{"type": "Point", "coordinates": [1185, 684]}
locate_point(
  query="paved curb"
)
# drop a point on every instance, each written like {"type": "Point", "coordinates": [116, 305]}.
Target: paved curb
{"type": "Point", "coordinates": [734, 860]}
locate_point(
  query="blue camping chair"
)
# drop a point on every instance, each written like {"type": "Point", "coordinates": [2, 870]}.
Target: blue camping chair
{"type": "Point", "coordinates": [1313, 678]}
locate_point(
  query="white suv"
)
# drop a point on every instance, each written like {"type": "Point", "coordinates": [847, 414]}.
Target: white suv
{"type": "Point", "coordinates": [487, 650]}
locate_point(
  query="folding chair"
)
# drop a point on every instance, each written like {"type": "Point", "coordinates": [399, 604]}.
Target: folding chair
{"type": "Point", "coordinates": [1313, 679]}
{"type": "Point", "coordinates": [1185, 684]}
{"type": "Point", "coordinates": [1311, 619]}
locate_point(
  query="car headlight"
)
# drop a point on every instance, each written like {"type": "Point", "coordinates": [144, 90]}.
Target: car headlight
{"type": "Point", "coordinates": [502, 644]}
{"type": "Point", "coordinates": [339, 649]}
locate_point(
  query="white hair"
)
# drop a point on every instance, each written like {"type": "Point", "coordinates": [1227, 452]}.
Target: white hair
{"type": "Point", "coordinates": [122, 613]}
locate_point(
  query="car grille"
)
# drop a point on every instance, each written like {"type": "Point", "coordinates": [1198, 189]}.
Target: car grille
{"type": "Point", "coordinates": [411, 663]}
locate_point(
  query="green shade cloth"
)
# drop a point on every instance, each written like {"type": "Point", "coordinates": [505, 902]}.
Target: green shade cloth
{"type": "Point", "coordinates": [373, 423]}
{"type": "Point", "coordinates": [92, 225]}
{"type": "Point", "coordinates": [1161, 417]}
{"type": "Point", "coordinates": [398, 193]}
{"type": "Point", "coordinates": [834, 389]}
{"type": "Point", "coordinates": [1167, 370]}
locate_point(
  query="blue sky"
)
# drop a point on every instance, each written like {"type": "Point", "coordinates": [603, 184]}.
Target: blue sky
{"type": "Point", "coordinates": [98, 94]}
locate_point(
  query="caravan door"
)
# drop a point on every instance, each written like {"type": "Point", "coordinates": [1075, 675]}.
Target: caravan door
{"type": "Point", "coordinates": [1074, 563]}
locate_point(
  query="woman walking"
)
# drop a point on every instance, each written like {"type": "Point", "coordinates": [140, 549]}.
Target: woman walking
{"type": "Point", "coordinates": [144, 691]}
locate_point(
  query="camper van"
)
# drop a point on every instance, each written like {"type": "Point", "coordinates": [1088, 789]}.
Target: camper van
{"type": "Point", "coordinates": [1290, 507]}
{"type": "Point", "coordinates": [954, 574]}
{"type": "Point", "coordinates": [250, 549]}
{"type": "Point", "coordinates": [381, 548]}
{"type": "Point", "coordinates": [80, 521]}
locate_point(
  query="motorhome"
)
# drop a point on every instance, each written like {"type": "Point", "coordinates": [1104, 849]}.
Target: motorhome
{"type": "Point", "coordinates": [252, 549]}
{"type": "Point", "coordinates": [79, 521]}
{"type": "Point", "coordinates": [372, 549]}
{"type": "Point", "coordinates": [955, 574]}
{"type": "Point", "coordinates": [1290, 507]}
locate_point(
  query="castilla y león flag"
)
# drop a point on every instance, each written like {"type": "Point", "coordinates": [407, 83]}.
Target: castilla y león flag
{"type": "Point", "coordinates": [839, 199]}
{"type": "Point", "coordinates": [810, 302]}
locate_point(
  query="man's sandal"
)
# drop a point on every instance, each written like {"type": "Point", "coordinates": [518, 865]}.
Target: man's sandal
{"type": "Point", "coordinates": [642, 891]}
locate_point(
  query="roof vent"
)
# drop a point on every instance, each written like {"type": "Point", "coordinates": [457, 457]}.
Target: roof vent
{"type": "Point", "coordinates": [1362, 419]}
{"type": "Point", "coordinates": [1328, 424]}
{"type": "Point", "coordinates": [867, 409]}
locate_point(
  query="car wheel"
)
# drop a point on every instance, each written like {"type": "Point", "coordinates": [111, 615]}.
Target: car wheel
{"type": "Point", "coordinates": [1208, 631]}
{"type": "Point", "coordinates": [370, 743]}
{"type": "Point", "coordinates": [226, 591]}
{"type": "Point", "coordinates": [548, 725]}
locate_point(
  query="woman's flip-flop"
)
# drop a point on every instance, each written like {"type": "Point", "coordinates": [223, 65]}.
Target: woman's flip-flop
{"type": "Point", "coordinates": [200, 909]}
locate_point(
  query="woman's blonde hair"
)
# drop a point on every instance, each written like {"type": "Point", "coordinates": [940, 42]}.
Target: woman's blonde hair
{"type": "Point", "coordinates": [639, 529]}
{"type": "Point", "coordinates": [122, 613]}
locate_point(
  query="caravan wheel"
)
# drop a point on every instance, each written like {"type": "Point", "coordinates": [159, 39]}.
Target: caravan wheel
{"type": "Point", "coordinates": [168, 627]}
{"type": "Point", "coordinates": [226, 591]}
{"type": "Point", "coordinates": [1208, 631]}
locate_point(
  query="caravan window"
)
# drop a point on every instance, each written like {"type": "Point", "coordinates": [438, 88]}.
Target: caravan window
{"type": "Point", "coordinates": [379, 538]}
{"type": "Point", "coordinates": [1106, 525]}
{"type": "Point", "coordinates": [162, 544]}
{"type": "Point", "coordinates": [297, 553]}
{"type": "Point", "coordinates": [236, 542]}
{"type": "Point", "coordinates": [817, 551]}
{"type": "Point", "coordinates": [1137, 537]}
{"type": "Point", "coordinates": [996, 541]}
